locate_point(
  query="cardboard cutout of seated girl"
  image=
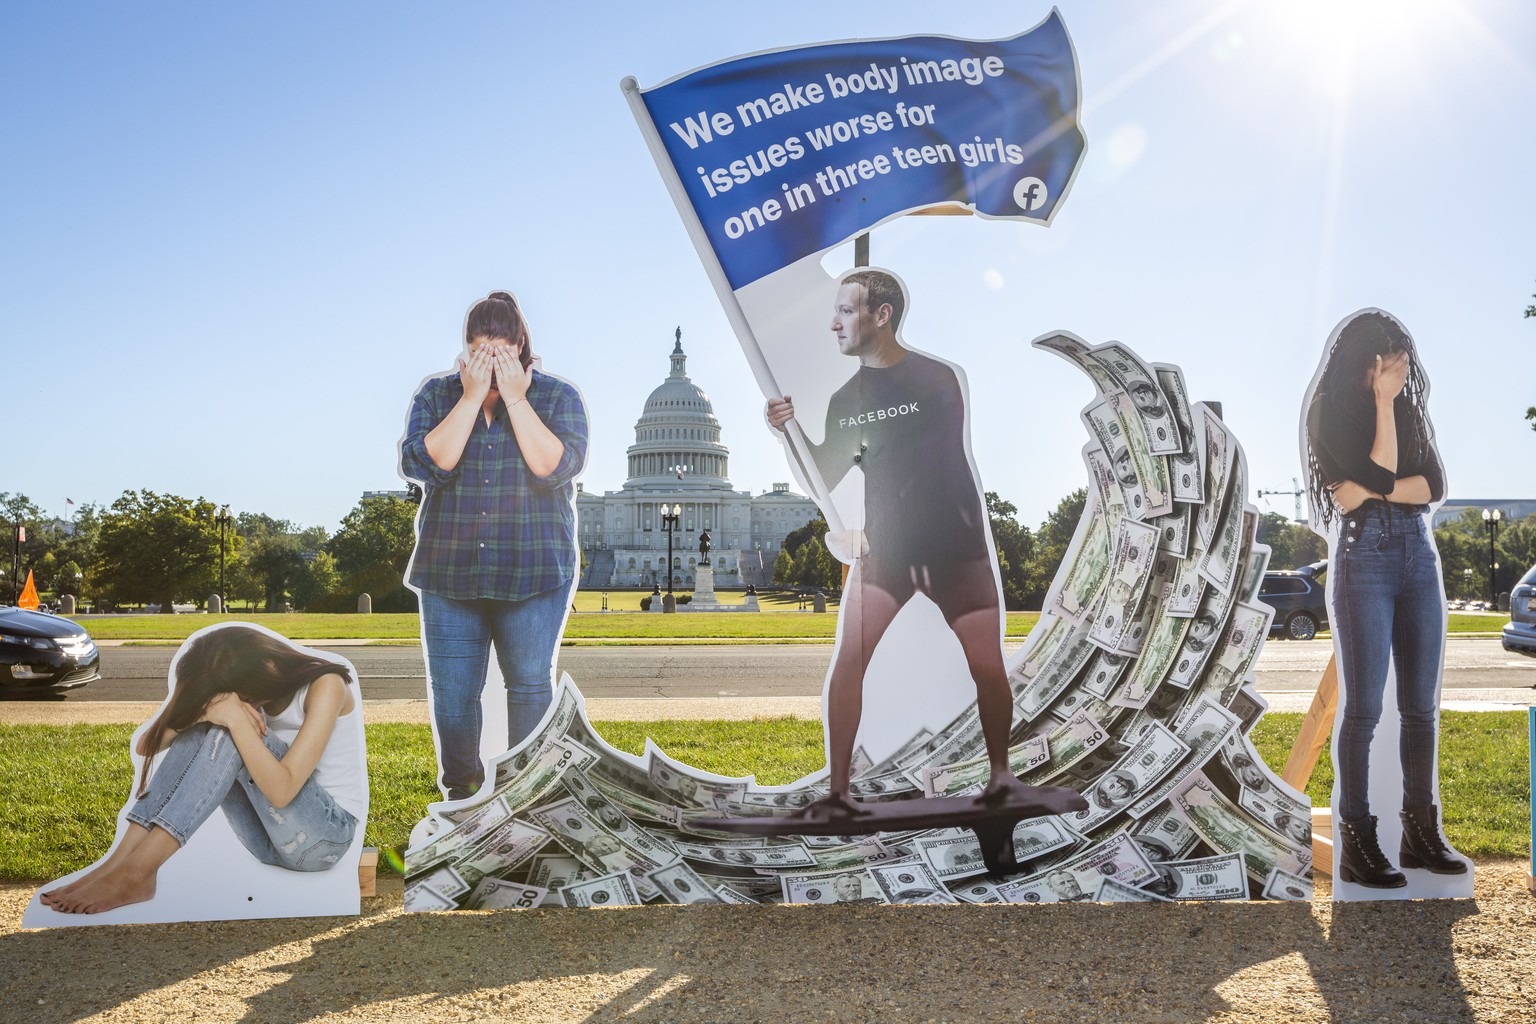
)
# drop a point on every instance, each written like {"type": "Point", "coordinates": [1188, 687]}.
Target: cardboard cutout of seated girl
{"type": "Point", "coordinates": [1375, 477]}
{"type": "Point", "coordinates": [249, 798]}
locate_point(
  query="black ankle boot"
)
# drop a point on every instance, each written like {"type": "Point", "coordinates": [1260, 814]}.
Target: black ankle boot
{"type": "Point", "coordinates": [1423, 845]}
{"type": "Point", "coordinates": [1360, 857]}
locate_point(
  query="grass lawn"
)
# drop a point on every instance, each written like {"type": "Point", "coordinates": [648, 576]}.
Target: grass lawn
{"type": "Point", "coordinates": [582, 625]}
{"type": "Point", "coordinates": [63, 785]}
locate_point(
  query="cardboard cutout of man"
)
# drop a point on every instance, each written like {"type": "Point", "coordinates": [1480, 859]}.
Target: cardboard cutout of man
{"type": "Point", "coordinates": [901, 421]}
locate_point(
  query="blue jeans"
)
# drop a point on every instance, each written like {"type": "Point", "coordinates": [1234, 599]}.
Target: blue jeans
{"type": "Point", "coordinates": [1387, 601]}
{"type": "Point", "coordinates": [458, 635]}
{"type": "Point", "coordinates": [202, 770]}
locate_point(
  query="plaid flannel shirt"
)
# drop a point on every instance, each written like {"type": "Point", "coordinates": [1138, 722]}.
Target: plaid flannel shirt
{"type": "Point", "coordinates": [489, 527]}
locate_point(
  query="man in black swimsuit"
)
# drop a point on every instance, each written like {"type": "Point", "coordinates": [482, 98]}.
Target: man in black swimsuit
{"type": "Point", "coordinates": [901, 420]}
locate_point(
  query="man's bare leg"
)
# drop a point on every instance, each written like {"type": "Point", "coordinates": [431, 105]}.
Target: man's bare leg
{"type": "Point", "coordinates": [867, 613]}
{"type": "Point", "coordinates": [980, 636]}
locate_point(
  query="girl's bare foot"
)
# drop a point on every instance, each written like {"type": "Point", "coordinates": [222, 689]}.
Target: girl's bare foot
{"type": "Point", "coordinates": [107, 890]}
{"type": "Point", "coordinates": [131, 839]}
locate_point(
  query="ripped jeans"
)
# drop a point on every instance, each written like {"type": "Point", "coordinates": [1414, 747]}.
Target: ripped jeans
{"type": "Point", "coordinates": [202, 770]}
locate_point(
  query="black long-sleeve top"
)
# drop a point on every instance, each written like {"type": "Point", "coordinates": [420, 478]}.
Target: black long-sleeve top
{"type": "Point", "coordinates": [1342, 429]}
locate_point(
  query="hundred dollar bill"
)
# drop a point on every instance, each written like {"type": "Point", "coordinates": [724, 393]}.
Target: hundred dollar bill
{"type": "Point", "coordinates": [690, 788]}
{"type": "Point", "coordinates": [1076, 879]}
{"type": "Point", "coordinates": [1157, 657]}
{"type": "Point", "coordinates": [1135, 549]}
{"type": "Point", "coordinates": [1187, 588]}
{"type": "Point", "coordinates": [860, 763]}
{"type": "Point", "coordinates": [1107, 496]}
{"type": "Point", "coordinates": [788, 856]}
{"type": "Point", "coordinates": [783, 801]}
{"type": "Point", "coordinates": [977, 891]}
{"type": "Point", "coordinates": [759, 888]}
{"type": "Point", "coordinates": [1103, 672]}
{"type": "Point", "coordinates": [959, 855]}
{"type": "Point", "coordinates": [500, 894]}
{"type": "Point", "coordinates": [453, 841]}
{"type": "Point", "coordinates": [1163, 835]}
{"type": "Point", "coordinates": [1230, 661]}
{"type": "Point", "coordinates": [1205, 732]}
{"type": "Point", "coordinates": [1249, 706]}
{"type": "Point", "coordinates": [1145, 391]}
{"type": "Point", "coordinates": [1076, 351]}
{"type": "Point", "coordinates": [1096, 762]}
{"type": "Point", "coordinates": [1038, 648]}
{"type": "Point", "coordinates": [1203, 637]}
{"type": "Point", "coordinates": [1149, 759]}
{"type": "Point", "coordinates": [445, 880]}
{"type": "Point", "coordinates": [563, 710]}
{"type": "Point", "coordinates": [1220, 565]}
{"type": "Point", "coordinates": [1055, 674]}
{"type": "Point", "coordinates": [504, 850]}
{"type": "Point", "coordinates": [598, 806]}
{"type": "Point", "coordinates": [1282, 885]}
{"type": "Point", "coordinates": [1218, 468]}
{"type": "Point", "coordinates": [903, 754]}
{"type": "Point", "coordinates": [973, 773]}
{"type": "Point", "coordinates": [1151, 468]}
{"type": "Point", "coordinates": [1111, 891]}
{"type": "Point", "coordinates": [729, 895]}
{"type": "Point", "coordinates": [553, 871]}
{"type": "Point", "coordinates": [893, 785]}
{"type": "Point", "coordinates": [615, 890]}
{"type": "Point", "coordinates": [1207, 878]}
{"type": "Point", "coordinates": [1074, 594]}
{"type": "Point", "coordinates": [602, 848]}
{"type": "Point", "coordinates": [952, 743]}
{"type": "Point", "coordinates": [909, 881]}
{"type": "Point", "coordinates": [1186, 479]}
{"type": "Point", "coordinates": [1283, 818]}
{"type": "Point", "coordinates": [1253, 560]}
{"type": "Point", "coordinates": [1152, 602]}
{"type": "Point", "coordinates": [679, 883]}
{"type": "Point", "coordinates": [1226, 829]}
{"type": "Point", "coordinates": [544, 773]}
{"type": "Point", "coordinates": [852, 886]}
{"type": "Point", "coordinates": [1175, 530]}
{"type": "Point", "coordinates": [421, 898]}
{"type": "Point", "coordinates": [1104, 427]}
{"type": "Point", "coordinates": [1078, 699]}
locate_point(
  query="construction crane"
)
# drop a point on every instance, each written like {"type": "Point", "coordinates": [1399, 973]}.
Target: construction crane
{"type": "Point", "coordinates": [1296, 492]}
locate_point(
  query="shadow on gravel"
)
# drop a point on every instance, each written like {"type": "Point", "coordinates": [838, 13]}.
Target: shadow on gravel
{"type": "Point", "coordinates": [1052, 963]}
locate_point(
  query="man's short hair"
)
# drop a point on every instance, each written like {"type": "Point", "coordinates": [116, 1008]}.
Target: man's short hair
{"type": "Point", "coordinates": [880, 289]}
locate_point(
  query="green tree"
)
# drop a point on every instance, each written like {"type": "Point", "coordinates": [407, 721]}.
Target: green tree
{"type": "Point", "coordinates": [1052, 540]}
{"type": "Point", "coordinates": [816, 528]}
{"type": "Point", "coordinates": [1015, 548]}
{"type": "Point", "coordinates": [1291, 545]}
{"type": "Point", "coordinates": [67, 579]}
{"type": "Point", "coordinates": [783, 568]}
{"type": "Point", "coordinates": [371, 551]}
{"type": "Point", "coordinates": [158, 548]}
{"type": "Point", "coordinates": [319, 585]}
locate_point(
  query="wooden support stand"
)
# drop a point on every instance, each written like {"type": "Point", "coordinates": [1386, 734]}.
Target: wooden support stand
{"type": "Point", "coordinates": [1315, 730]}
{"type": "Point", "coordinates": [368, 871]}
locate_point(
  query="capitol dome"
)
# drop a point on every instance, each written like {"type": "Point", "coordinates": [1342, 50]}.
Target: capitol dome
{"type": "Point", "coordinates": [677, 434]}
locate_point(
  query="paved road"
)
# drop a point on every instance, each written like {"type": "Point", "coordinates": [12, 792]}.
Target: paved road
{"type": "Point", "coordinates": [139, 673]}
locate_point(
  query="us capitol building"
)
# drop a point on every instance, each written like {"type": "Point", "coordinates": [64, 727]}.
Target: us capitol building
{"type": "Point", "coordinates": [678, 459]}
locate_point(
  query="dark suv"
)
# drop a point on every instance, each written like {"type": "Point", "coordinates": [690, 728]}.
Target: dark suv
{"type": "Point", "coordinates": [44, 653]}
{"type": "Point", "coordinates": [1299, 600]}
{"type": "Point", "coordinates": [1520, 633]}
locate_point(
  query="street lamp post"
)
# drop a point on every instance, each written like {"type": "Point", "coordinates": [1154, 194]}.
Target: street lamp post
{"type": "Point", "coordinates": [1491, 517]}
{"type": "Point", "coordinates": [669, 523]}
{"type": "Point", "coordinates": [223, 519]}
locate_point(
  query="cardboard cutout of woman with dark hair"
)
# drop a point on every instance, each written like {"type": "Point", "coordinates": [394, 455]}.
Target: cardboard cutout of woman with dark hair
{"type": "Point", "coordinates": [496, 446]}
{"type": "Point", "coordinates": [269, 733]}
{"type": "Point", "coordinates": [1374, 477]}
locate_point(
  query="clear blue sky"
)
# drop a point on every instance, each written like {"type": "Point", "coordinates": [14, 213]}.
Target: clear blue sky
{"type": "Point", "coordinates": [234, 238]}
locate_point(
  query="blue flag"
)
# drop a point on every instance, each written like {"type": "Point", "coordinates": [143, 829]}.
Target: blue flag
{"type": "Point", "coordinates": [788, 153]}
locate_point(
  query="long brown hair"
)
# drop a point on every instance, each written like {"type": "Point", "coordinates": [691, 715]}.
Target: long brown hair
{"type": "Point", "coordinates": [499, 316]}
{"type": "Point", "coordinates": [257, 667]}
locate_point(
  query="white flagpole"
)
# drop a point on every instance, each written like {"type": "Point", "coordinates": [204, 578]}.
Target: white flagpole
{"type": "Point", "coordinates": [799, 444]}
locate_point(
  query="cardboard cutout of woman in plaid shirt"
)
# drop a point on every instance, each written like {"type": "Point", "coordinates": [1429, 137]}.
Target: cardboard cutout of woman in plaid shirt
{"type": "Point", "coordinates": [496, 446]}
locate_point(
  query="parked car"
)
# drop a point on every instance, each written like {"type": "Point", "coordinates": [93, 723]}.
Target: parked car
{"type": "Point", "coordinates": [1520, 631]}
{"type": "Point", "coordinates": [1299, 599]}
{"type": "Point", "coordinates": [44, 653]}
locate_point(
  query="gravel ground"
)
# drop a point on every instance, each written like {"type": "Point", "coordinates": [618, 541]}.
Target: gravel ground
{"type": "Point", "coordinates": [1440, 961]}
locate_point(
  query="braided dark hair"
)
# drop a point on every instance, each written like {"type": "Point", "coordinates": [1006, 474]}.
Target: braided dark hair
{"type": "Point", "coordinates": [1360, 340]}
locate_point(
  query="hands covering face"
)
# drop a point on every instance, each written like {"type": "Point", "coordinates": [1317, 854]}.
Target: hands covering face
{"type": "Point", "coordinates": [493, 364]}
{"type": "Point", "coordinates": [1389, 375]}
